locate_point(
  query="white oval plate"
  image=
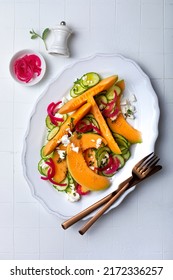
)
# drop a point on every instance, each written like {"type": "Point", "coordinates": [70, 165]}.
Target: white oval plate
{"type": "Point", "coordinates": [146, 121]}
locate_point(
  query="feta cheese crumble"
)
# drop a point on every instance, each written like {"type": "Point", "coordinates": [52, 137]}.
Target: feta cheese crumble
{"type": "Point", "coordinates": [73, 196]}
{"type": "Point", "coordinates": [61, 153]}
{"type": "Point", "coordinates": [127, 108]}
{"type": "Point", "coordinates": [74, 148]}
{"type": "Point", "coordinates": [65, 140]}
{"type": "Point", "coordinates": [98, 143]}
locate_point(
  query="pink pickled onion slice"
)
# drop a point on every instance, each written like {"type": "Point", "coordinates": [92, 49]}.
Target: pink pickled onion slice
{"type": "Point", "coordinates": [51, 173]}
{"type": "Point", "coordinates": [96, 129]}
{"type": "Point", "coordinates": [82, 127]}
{"type": "Point", "coordinates": [113, 168]}
{"type": "Point", "coordinates": [33, 59]}
{"type": "Point", "coordinates": [79, 190]}
{"type": "Point", "coordinates": [108, 165]}
{"type": "Point", "coordinates": [108, 109]}
{"type": "Point", "coordinates": [113, 114]}
{"type": "Point", "coordinates": [52, 107]}
{"type": "Point", "coordinates": [56, 107]}
{"type": "Point", "coordinates": [27, 67]}
{"type": "Point", "coordinates": [23, 71]}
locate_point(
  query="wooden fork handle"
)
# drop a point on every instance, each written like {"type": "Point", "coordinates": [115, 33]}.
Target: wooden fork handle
{"type": "Point", "coordinates": [93, 207]}
{"type": "Point", "coordinates": [103, 209]}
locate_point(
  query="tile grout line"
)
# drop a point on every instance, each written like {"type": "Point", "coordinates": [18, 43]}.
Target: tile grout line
{"type": "Point", "coordinates": [13, 127]}
{"type": "Point", "coordinates": [39, 245]}
{"type": "Point", "coordinates": [164, 6]}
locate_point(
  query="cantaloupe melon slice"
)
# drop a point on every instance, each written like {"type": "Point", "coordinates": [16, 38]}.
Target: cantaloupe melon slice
{"type": "Point", "coordinates": [91, 140]}
{"type": "Point", "coordinates": [60, 168]}
{"type": "Point", "coordinates": [121, 126]}
{"type": "Point", "coordinates": [75, 103]}
{"type": "Point", "coordinates": [79, 170]}
{"type": "Point", "coordinates": [105, 131]}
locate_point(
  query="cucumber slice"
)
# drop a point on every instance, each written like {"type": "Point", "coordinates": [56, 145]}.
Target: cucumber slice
{"type": "Point", "coordinates": [65, 116]}
{"type": "Point", "coordinates": [123, 150]}
{"type": "Point", "coordinates": [43, 167]}
{"type": "Point", "coordinates": [121, 143]}
{"type": "Point", "coordinates": [108, 175]}
{"type": "Point", "coordinates": [42, 155]}
{"type": "Point", "coordinates": [103, 158]}
{"type": "Point", "coordinates": [86, 120]}
{"type": "Point", "coordinates": [70, 179]}
{"type": "Point", "coordinates": [101, 150]}
{"type": "Point", "coordinates": [127, 155]}
{"type": "Point", "coordinates": [95, 123]}
{"type": "Point", "coordinates": [101, 101]}
{"type": "Point", "coordinates": [118, 136]}
{"type": "Point", "coordinates": [52, 133]}
{"type": "Point", "coordinates": [92, 120]}
{"type": "Point", "coordinates": [111, 92]}
{"type": "Point", "coordinates": [77, 90]}
{"type": "Point", "coordinates": [90, 116]}
{"type": "Point", "coordinates": [62, 188]}
{"type": "Point", "coordinates": [49, 124]}
{"type": "Point", "coordinates": [121, 160]}
{"type": "Point", "coordinates": [90, 79]}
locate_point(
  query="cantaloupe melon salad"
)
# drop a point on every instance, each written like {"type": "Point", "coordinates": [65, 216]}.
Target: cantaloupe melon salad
{"type": "Point", "coordinates": [88, 137]}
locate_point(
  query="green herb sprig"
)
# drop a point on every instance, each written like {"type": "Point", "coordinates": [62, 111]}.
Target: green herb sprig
{"type": "Point", "coordinates": [43, 37]}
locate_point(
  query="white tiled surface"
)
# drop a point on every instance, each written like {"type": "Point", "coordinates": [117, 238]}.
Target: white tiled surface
{"type": "Point", "coordinates": [141, 227]}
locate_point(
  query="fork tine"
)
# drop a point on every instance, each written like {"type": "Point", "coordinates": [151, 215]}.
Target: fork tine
{"type": "Point", "coordinates": [142, 160]}
{"type": "Point", "coordinates": [150, 163]}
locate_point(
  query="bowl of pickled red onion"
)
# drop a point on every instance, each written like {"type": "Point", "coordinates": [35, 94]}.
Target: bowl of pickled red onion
{"type": "Point", "coordinates": [27, 67]}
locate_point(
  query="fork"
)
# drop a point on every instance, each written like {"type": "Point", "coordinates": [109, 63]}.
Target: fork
{"type": "Point", "coordinates": [139, 171]}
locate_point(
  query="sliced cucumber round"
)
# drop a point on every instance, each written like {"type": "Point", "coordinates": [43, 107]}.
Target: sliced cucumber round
{"type": "Point", "coordinates": [62, 188]}
{"type": "Point", "coordinates": [101, 150]}
{"type": "Point", "coordinates": [42, 154]}
{"type": "Point", "coordinates": [43, 167]}
{"type": "Point", "coordinates": [121, 160]}
{"type": "Point", "coordinates": [49, 124]}
{"type": "Point", "coordinates": [52, 133]}
{"type": "Point", "coordinates": [127, 155]}
{"type": "Point", "coordinates": [90, 79]}
{"type": "Point", "coordinates": [112, 92]}
{"type": "Point", "coordinates": [101, 101]}
{"type": "Point", "coordinates": [77, 90]}
{"type": "Point", "coordinates": [119, 136]}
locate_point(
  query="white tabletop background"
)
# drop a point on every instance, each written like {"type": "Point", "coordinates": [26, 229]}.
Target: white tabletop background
{"type": "Point", "coordinates": [141, 227]}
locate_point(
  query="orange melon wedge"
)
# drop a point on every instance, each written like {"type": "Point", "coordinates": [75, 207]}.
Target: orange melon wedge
{"type": "Point", "coordinates": [105, 131]}
{"type": "Point", "coordinates": [60, 168]}
{"type": "Point", "coordinates": [76, 102]}
{"type": "Point", "coordinates": [122, 127]}
{"type": "Point", "coordinates": [69, 124]}
{"type": "Point", "coordinates": [79, 170]}
{"type": "Point", "coordinates": [91, 140]}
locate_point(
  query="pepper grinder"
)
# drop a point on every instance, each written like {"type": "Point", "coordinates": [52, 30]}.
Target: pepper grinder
{"type": "Point", "coordinates": [61, 35]}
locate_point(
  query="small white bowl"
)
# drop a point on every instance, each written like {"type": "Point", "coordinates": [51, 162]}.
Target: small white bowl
{"type": "Point", "coordinates": [20, 54]}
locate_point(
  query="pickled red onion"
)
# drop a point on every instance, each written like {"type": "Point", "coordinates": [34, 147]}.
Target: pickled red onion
{"type": "Point", "coordinates": [82, 127]}
{"type": "Point", "coordinates": [51, 173]}
{"type": "Point", "coordinates": [52, 109]}
{"type": "Point", "coordinates": [114, 167]}
{"type": "Point", "coordinates": [79, 190]}
{"type": "Point", "coordinates": [108, 165]}
{"type": "Point", "coordinates": [27, 67]}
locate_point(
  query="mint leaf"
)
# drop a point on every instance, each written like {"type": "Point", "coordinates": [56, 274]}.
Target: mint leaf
{"type": "Point", "coordinates": [35, 35]}
{"type": "Point", "coordinates": [45, 33]}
